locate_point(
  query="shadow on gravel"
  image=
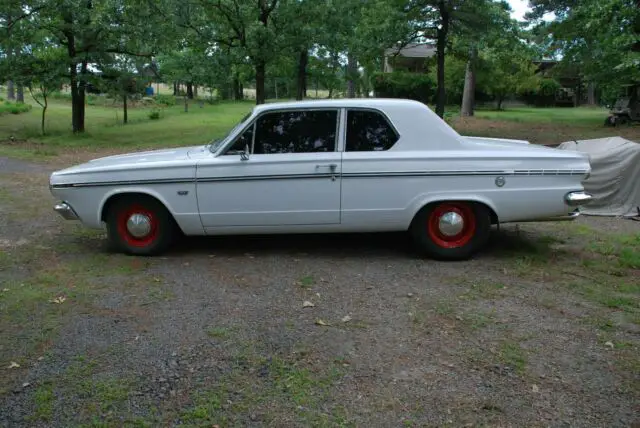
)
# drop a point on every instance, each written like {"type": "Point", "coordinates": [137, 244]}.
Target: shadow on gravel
{"type": "Point", "coordinates": [502, 243]}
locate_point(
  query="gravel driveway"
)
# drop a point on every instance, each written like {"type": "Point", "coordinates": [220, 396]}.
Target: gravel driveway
{"type": "Point", "coordinates": [216, 333]}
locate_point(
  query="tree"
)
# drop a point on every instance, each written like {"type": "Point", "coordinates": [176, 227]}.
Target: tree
{"type": "Point", "coordinates": [601, 38]}
{"type": "Point", "coordinates": [89, 31]}
{"type": "Point", "coordinates": [508, 70]}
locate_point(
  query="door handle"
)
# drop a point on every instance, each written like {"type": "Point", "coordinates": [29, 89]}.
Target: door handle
{"type": "Point", "coordinates": [331, 166]}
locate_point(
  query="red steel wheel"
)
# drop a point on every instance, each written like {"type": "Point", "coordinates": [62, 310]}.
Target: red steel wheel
{"type": "Point", "coordinates": [139, 225]}
{"type": "Point", "coordinates": [451, 230]}
{"type": "Point", "coordinates": [452, 225]}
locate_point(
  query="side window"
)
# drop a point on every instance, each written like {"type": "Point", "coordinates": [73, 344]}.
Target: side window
{"type": "Point", "coordinates": [239, 145]}
{"type": "Point", "coordinates": [302, 131]}
{"type": "Point", "coordinates": [368, 131]}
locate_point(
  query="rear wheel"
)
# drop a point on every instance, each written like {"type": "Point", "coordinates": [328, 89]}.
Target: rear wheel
{"type": "Point", "coordinates": [451, 230]}
{"type": "Point", "coordinates": [139, 226]}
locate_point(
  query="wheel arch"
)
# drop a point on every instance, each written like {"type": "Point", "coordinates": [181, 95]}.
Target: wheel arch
{"type": "Point", "coordinates": [474, 199]}
{"type": "Point", "coordinates": [116, 194]}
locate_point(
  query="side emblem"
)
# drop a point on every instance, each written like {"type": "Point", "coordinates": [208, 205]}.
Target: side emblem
{"type": "Point", "coordinates": [500, 181]}
{"type": "Point", "coordinates": [183, 192]}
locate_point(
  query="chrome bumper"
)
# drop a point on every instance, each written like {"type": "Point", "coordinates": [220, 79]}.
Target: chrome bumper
{"type": "Point", "coordinates": [65, 211]}
{"type": "Point", "coordinates": [574, 199]}
{"type": "Point", "coordinates": [568, 217]}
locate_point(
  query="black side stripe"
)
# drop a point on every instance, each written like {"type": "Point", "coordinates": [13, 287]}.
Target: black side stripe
{"type": "Point", "coordinates": [329, 175]}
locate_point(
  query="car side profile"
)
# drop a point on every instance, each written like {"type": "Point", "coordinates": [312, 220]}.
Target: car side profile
{"type": "Point", "coordinates": [348, 165]}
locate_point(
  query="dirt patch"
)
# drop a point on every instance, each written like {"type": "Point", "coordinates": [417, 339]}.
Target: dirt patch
{"type": "Point", "coordinates": [540, 329]}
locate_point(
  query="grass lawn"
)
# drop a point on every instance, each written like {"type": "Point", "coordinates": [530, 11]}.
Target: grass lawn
{"type": "Point", "coordinates": [20, 134]}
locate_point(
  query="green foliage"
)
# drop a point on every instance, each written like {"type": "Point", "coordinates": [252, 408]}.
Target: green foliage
{"type": "Point", "coordinates": [601, 38]}
{"type": "Point", "coordinates": [400, 84]}
{"type": "Point", "coordinates": [165, 99]}
{"type": "Point", "coordinates": [14, 108]}
{"type": "Point", "coordinates": [543, 94]}
{"type": "Point", "coordinates": [154, 114]}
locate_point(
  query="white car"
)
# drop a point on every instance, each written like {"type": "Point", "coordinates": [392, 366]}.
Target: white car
{"type": "Point", "coordinates": [349, 165]}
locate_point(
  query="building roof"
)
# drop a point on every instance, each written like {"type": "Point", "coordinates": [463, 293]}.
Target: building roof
{"type": "Point", "coordinates": [413, 50]}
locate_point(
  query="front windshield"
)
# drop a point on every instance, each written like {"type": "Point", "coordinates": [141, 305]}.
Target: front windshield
{"type": "Point", "coordinates": [214, 145]}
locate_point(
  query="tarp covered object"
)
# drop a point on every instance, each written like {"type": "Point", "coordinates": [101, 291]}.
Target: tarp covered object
{"type": "Point", "coordinates": [615, 175]}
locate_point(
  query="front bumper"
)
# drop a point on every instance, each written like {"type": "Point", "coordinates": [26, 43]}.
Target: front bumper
{"type": "Point", "coordinates": [65, 211]}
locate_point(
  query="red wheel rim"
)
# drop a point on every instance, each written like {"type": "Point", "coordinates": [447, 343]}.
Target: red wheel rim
{"type": "Point", "coordinates": [456, 240]}
{"type": "Point", "coordinates": [125, 234]}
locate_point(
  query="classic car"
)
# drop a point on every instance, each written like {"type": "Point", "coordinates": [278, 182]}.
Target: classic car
{"type": "Point", "coordinates": [348, 165]}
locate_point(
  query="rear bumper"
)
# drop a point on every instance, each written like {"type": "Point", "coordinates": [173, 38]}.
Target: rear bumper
{"type": "Point", "coordinates": [568, 217]}
{"type": "Point", "coordinates": [574, 199]}
{"type": "Point", "coordinates": [65, 211]}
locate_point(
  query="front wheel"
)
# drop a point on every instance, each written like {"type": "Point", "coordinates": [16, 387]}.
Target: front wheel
{"type": "Point", "coordinates": [139, 226]}
{"type": "Point", "coordinates": [451, 230]}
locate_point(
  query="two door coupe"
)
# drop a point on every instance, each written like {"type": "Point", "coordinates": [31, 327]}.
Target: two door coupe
{"type": "Point", "coordinates": [350, 165]}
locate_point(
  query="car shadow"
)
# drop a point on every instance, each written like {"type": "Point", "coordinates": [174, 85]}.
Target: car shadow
{"type": "Point", "coordinates": [502, 243]}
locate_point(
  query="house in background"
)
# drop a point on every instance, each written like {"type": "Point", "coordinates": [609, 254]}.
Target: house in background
{"type": "Point", "coordinates": [411, 57]}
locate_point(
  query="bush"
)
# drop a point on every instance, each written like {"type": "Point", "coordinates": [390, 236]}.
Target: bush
{"type": "Point", "coordinates": [167, 100]}
{"type": "Point", "coordinates": [544, 95]}
{"type": "Point", "coordinates": [154, 114]}
{"type": "Point", "coordinates": [91, 100]}
{"type": "Point", "coordinates": [14, 108]}
{"type": "Point", "coordinates": [402, 84]}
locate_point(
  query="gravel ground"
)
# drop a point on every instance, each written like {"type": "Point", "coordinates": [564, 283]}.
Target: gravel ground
{"type": "Point", "coordinates": [215, 333]}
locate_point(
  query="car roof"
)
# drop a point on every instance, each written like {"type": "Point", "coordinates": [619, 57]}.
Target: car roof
{"type": "Point", "coordinates": [381, 103]}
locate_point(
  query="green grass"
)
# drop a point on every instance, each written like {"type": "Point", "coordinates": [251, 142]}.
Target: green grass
{"type": "Point", "coordinates": [104, 128]}
{"type": "Point", "coordinates": [513, 355]}
{"type": "Point", "coordinates": [573, 116]}
{"type": "Point", "coordinates": [300, 392]}
{"type": "Point", "coordinates": [8, 107]}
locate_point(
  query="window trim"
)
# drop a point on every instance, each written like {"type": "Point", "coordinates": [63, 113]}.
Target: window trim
{"type": "Point", "coordinates": [254, 123]}
{"type": "Point", "coordinates": [374, 110]}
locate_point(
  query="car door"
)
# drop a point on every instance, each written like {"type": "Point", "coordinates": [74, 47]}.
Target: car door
{"type": "Point", "coordinates": [291, 176]}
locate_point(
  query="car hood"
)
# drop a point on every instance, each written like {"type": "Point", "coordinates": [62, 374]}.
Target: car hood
{"type": "Point", "coordinates": [148, 158]}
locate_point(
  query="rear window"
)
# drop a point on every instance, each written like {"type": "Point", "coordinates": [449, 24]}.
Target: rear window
{"type": "Point", "coordinates": [369, 131]}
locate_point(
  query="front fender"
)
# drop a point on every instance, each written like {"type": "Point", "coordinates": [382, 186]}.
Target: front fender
{"type": "Point", "coordinates": [179, 199]}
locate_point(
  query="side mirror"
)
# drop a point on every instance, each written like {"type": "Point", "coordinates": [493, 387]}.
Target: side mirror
{"type": "Point", "coordinates": [245, 155]}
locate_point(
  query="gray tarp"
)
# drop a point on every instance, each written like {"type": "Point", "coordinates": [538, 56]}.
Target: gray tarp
{"type": "Point", "coordinates": [615, 175]}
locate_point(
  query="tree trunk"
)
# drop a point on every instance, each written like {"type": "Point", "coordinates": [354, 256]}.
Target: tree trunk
{"type": "Point", "coordinates": [124, 108]}
{"type": "Point", "coordinates": [195, 91]}
{"type": "Point", "coordinates": [190, 90]}
{"type": "Point", "coordinates": [301, 88]}
{"type": "Point", "coordinates": [260, 77]}
{"type": "Point", "coordinates": [44, 110]}
{"type": "Point", "coordinates": [20, 94]}
{"type": "Point", "coordinates": [591, 94]}
{"type": "Point", "coordinates": [186, 104]}
{"type": "Point", "coordinates": [237, 92]}
{"type": "Point", "coordinates": [440, 45]}
{"type": "Point", "coordinates": [500, 99]}
{"type": "Point", "coordinates": [77, 101]}
{"type": "Point", "coordinates": [352, 70]}
{"type": "Point", "coordinates": [468, 95]}
{"type": "Point", "coordinates": [175, 88]}
{"type": "Point", "coordinates": [11, 93]}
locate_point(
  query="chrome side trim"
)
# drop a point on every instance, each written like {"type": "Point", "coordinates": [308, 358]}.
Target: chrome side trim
{"type": "Point", "coordinates": [371, 174]}
{"type": "Point", "coordinates": [65, 211]}
{"type": "Point", "coordinates": [574, 199]}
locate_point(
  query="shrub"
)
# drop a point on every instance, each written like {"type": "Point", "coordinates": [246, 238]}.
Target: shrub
{"type": "Point", "coordinates": [91, 100]}
{"type": "Point", "coordinates": [402, 84]}
{"type": "Point", "coordinates": [14, 108]}
{"type": "Point", "coordinates": [545, 94]}
{"type": "Point", "coordinates": [167, 100]}
{"type": "Point", "coordinates": [154, 114]}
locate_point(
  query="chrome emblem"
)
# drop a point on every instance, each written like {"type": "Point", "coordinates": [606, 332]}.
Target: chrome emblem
{"type": "Point", "coordinates": [500, 181]}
